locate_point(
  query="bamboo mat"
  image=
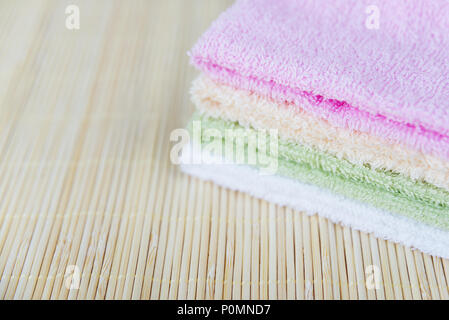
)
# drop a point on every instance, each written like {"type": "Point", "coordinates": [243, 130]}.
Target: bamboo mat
{"type": "Point", "coordinates": [87, 188]}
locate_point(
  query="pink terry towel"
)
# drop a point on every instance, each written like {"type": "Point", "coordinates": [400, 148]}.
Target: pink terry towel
{"type": "Point", "coordinates": [377, 66]}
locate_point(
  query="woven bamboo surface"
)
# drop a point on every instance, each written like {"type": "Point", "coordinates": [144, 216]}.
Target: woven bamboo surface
{"type": "Point", "coordinates": [86, 184]}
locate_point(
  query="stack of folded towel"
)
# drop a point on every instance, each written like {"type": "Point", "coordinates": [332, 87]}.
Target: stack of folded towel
{"type": "Point", "coordinates": [333, 117]}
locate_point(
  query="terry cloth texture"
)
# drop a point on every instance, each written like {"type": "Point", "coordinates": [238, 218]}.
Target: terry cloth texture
{"type": "Point", "coordinates": [293, 123]}
{"type": "Point", "coordinates": [311, 199]}
{"type": "Point", "coordinates": [390, 82]}
{"type": "Point", "coordinates": [382, 189]}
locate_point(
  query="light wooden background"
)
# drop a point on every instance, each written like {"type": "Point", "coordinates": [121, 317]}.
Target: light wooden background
{"type": "Point", "coordinates": [86, 181]}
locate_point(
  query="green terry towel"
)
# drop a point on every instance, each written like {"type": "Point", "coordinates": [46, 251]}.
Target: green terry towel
{"type": "Point", "coordinates": [383, 189]}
